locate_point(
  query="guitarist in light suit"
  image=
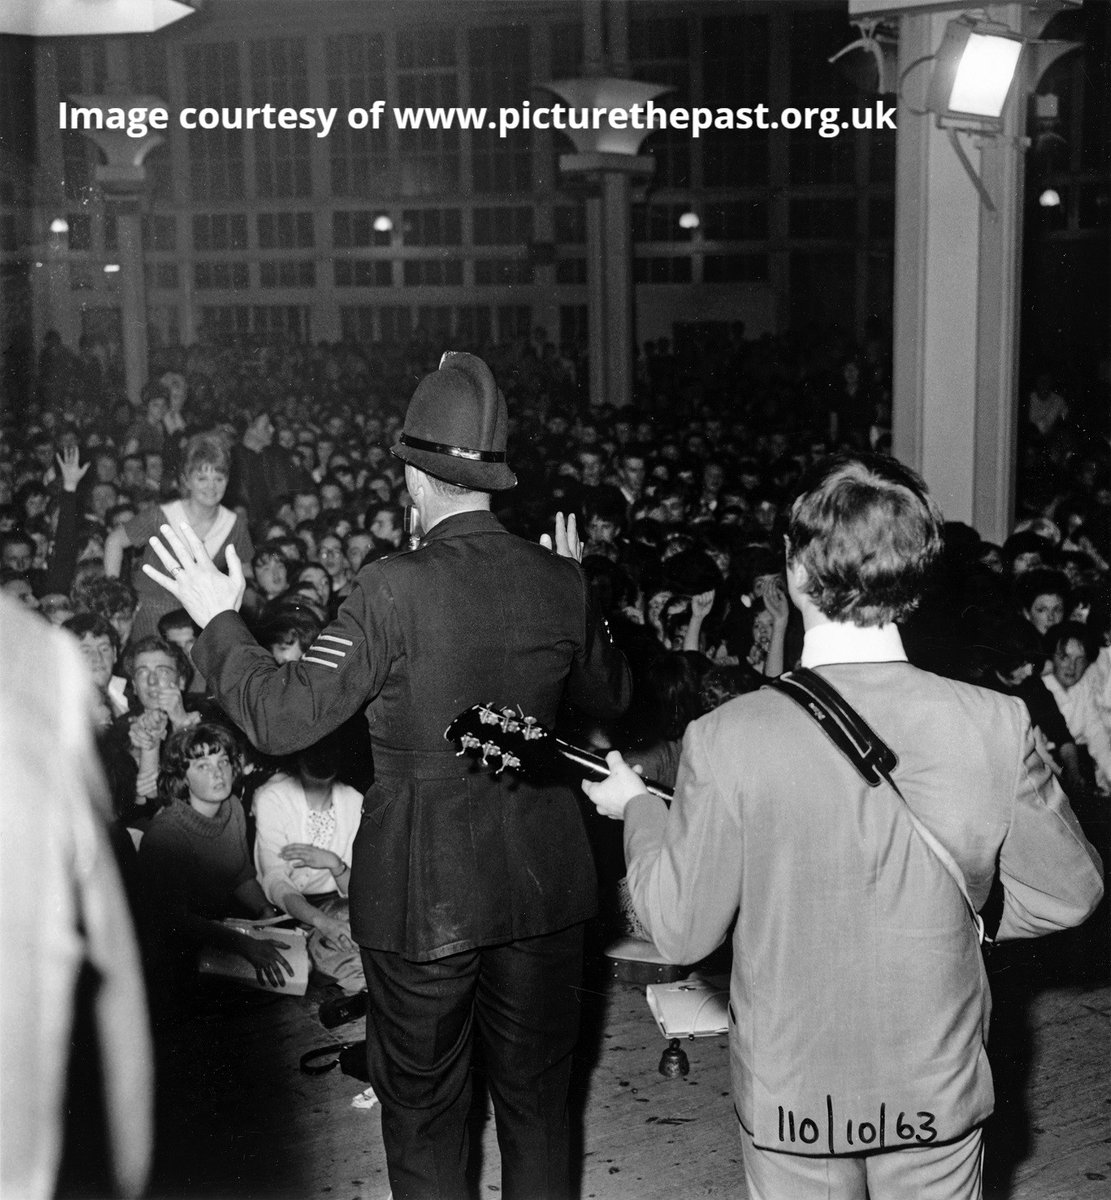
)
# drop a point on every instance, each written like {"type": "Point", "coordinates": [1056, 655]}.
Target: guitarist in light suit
{"type": "Point", "coordinates": [859, 1004]}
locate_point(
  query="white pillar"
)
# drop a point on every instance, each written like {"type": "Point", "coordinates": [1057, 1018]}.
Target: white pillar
{"type": "Point", "coordinates": [956, 290]}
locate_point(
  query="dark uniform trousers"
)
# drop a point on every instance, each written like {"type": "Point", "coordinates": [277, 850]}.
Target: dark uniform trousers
{"type": "Point", "coordinates": [520, 1002]}
{"type": "Point", "coordinates": [468, 891]}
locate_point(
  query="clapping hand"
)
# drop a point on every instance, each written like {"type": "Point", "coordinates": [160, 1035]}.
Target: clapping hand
{"type": "Point", "coordinates": [567, 543]}
{"type": "Point", "coordinates": [194, 579]}
{"type": "Point", "coordinates": [148, 729]}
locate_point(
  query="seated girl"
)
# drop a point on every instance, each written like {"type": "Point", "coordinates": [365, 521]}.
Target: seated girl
{"type": "Point", "coordinates": [305, 826]}
{"type": "Point", "coordinates": [194, 859]}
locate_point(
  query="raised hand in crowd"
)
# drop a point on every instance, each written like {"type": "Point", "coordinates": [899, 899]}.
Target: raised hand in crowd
{"type": "Point", "coordinates": [777, 603]}
{"type": "Point", "coordinates": [72, 472]}
{"type": "Point", "coordinates": [700, 609]}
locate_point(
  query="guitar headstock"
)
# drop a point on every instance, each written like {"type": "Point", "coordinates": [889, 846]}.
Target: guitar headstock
{"type": "Point", "coordinates": [505, 738]}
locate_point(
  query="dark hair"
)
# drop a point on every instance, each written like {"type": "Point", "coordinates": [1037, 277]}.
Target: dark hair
{"type": "Point", "coordinates": [269, 550]}
{"type": "Point", "coordinates": [184, 746]}
{"type": "Point", "coordinates": [287, 626]}
{"type": "Point", "coordinates": [91, 624]}
{"type": "Point", "coordinates": [1024, 542]}
{"type": "Point", "coordinates": [1041, 581]}
{"type": "Point", "coordinates": [178, 618]}
{"type": "Point", "coordinates": [150, 645]}
{"type": "Point", "coordinates": [867, 533]}
{"type": "Point", "coordinates": [395, 511]}
{"type": "Point", "coordinates": [671, 688]}
{"type": "Point", "coordinates": [1059, 635]}
{"type": "Point", "coordinates": [1005, 642]}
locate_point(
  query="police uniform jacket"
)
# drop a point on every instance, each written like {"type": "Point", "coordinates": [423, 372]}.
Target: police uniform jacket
{"type": "Point", "coordinates": [858, 1000]}
{"type": "Point", "coordinates": [448, 856]}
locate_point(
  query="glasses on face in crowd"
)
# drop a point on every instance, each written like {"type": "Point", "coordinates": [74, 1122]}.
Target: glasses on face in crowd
{"type": "Point", "coordinates": [163, 676]}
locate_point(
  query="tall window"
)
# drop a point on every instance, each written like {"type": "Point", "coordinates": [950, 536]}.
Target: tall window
{"type": "Point", "coordinates": [660, 52]}
{"type": "Point", "coordinates": [285, 231]}
{"type": "Point", "coordinates": [432, 226]}
{"type": "Point", "coordinates": [279, 76]}
{"type": "Point", "coordinates": [426, 78]}
{"type": "Point", "coordinates": [215, 155]}
{"type": "Point", "coordinates": [500, 78]}
{"type": "Point", "coordinates": [814, 84]}
{"type": "Point", "coordinates": [503, 226]}
{"type": "Point", "coordinates": [220, 231]}
{"type": "Point", "coordinates": [735, 75]}
{"type": "Point", "coordinates": [356, 78]}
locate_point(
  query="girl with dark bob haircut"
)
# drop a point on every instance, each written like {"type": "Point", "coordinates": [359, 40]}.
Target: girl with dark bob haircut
{"type": "Point", "coordinates": [868, 534]}
{"type": "Point", "coordinates": [189, 744]}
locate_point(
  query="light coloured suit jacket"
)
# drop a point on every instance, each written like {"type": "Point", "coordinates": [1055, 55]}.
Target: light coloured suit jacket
{"type": "Point", "coordinates": [858, 1000]}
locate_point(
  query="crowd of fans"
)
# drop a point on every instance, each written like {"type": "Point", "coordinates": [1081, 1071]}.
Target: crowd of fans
{"type": "Point", "coordinates": [283, 452]}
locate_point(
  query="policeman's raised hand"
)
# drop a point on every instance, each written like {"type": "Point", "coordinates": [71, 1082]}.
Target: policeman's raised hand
{"type": "Point", "coordinates": [194, 579]}
{"type": "Point", "coordinates": [567, 541]}
{"type": "Point", "coordinates": [610, 795]}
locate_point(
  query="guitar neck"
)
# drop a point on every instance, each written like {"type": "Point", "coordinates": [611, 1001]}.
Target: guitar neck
{"type": "Point", "coordinates": [597, 767]}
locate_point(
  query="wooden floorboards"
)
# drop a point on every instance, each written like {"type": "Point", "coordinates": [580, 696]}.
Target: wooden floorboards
{"type": "Point", "coordinates": [239, 1120]}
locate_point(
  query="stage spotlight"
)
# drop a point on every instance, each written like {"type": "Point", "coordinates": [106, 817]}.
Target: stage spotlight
{"type": "Point", "coordinates": [972, 76]}
{"type": "Point", "coordinates": [1050, 198]}
{"type": "Point", "coordinates": [59, 225]}
{"type": "Point", "coordinates": [383, 223]}
{"type": "Point", "coordinates": [111, 268]}
{"type": "Point", "coordinates": [689, 220]}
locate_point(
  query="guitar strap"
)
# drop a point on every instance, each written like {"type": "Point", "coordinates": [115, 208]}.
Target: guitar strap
{"type": "Point", "coordinates": [869, 754]}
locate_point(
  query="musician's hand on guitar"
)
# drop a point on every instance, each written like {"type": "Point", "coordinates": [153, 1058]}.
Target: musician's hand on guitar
{"type": "Point", "coordinates": [609, 796]}
{"type": "Point", "coordinates": [567, 541]}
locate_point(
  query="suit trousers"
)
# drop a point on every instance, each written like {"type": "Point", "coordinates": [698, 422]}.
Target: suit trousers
{"type": "Point", "coordinates": [520, 1002]}
{"type": "Point", "coordinates": [951, 1171]}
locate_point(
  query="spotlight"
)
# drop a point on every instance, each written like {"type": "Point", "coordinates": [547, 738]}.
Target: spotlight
{"type": "Point", "coordinates": [111, 268]}
{"type": "Point", "coordinates": [972, 76]}
{"type": "Point", "coordinates": [59, 225]}
{"type": "Point", "coordinates": [383, 223]}
{"type": "Point", "coordinates": [1050, 198]}
{"type": "Point", "coordinates": [689, 220]}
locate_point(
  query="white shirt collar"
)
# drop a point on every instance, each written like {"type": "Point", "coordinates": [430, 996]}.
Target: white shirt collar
{"type": "Point", "coordinates": [843, 642]}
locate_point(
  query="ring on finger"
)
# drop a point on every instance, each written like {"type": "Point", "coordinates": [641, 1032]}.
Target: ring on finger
{"type": "Point", "coordinates": [176, 570]}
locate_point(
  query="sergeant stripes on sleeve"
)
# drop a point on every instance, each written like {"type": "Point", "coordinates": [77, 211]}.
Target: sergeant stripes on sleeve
{"type": "Point", "coordinates": [316, 648]}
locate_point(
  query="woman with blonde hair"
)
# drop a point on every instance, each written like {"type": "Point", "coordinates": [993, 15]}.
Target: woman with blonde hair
{"type": "Point", "coordinates": [204, 479]}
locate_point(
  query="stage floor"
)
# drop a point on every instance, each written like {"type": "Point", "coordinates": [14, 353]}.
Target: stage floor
{"type": "Point", "coordinates": [239, 1120]}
